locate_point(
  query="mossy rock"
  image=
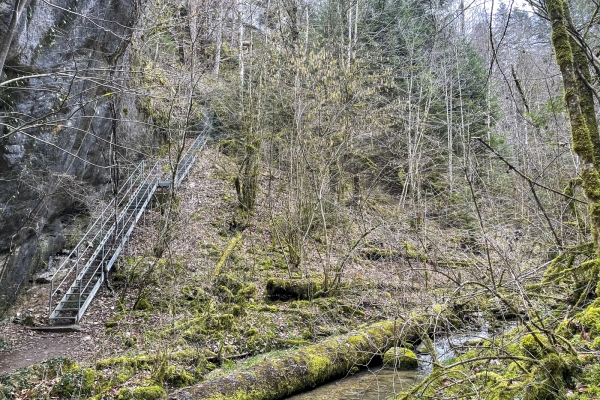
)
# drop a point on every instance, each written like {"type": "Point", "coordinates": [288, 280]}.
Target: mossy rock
{"type": "Point", "coordinates": [400, 358]}
{"type": "Point", "coordinates": [292, 289]}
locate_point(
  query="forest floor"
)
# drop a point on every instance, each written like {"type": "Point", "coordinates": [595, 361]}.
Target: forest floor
{"type": "Point", "coordinates": [202, 308]}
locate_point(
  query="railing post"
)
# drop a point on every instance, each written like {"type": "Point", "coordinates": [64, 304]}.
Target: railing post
{"type": "Point", "coordinates": [51, 293]}
{"type": "Point", "coordinates": [78, 299]}
{"type": "Point", "coordinates": [77, 263]}
{"type": "Point", "coordinates": [102, 265]}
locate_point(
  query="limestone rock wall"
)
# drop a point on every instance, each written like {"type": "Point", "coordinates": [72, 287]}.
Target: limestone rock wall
{"type": "Point", "coordinates": [56, 125]}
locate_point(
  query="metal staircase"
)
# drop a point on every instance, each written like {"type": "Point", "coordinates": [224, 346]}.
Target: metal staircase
{"type": "Point", "coordinates": [80, 275]}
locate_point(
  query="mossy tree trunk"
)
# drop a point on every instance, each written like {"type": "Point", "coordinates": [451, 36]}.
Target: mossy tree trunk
{"type": "Point", "coordinates": [310, 366]}
{"type": "Point", "coordinates": [246, 181]}
{"type": "Point", "coordinates": [575, 70]}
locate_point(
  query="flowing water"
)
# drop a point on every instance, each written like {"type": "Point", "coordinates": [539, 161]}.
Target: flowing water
{"type": "Point", "coordinates": [382, 383]}
{"type": "Point", "coordinates": [374, 384]}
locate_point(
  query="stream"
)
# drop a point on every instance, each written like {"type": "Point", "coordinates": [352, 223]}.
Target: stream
{"type": "Point", "coordinates": [377, 383]}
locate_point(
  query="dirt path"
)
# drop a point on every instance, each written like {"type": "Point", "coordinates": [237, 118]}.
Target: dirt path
{"type": "Point", "coordinates": [28, 347]}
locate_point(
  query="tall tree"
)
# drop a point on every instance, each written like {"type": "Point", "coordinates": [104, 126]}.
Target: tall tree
{"type": "Point", "coordinates": [579, 97]}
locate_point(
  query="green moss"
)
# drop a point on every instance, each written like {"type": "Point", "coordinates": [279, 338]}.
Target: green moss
{"type": "Point", "coordinates": [148, 393]}
{"type": "Point", "coordinates": [300, 304]}
{"type": "Point", "coordinates": [266, 308]}
{"type": "Point", "coordinates": [142, 393]}
{"type": "Point", "coordinates": [292, 289]}
{"type": "Point", "coordinates": [225, 321]}
{"type": "Point", "coordinates": [238, 311]}
{"type": "Point", "coordinates": [351, 310]}
{"type": "Point", "coordinates": [374, 253]}
{"type": "Point", "coordinates": [78, 382]}
{"type": "Point", "coordinates": [138, 362]}
{"type": "Point", "coordinates": [412, 252]}
{"type": "Point", "coordinates": [548, 379]}
{"type": "Point", "coordinates": [531, 345]}
{"type": "Point", "coordinates": [177, 376]}
{"type": "Point", "coordinates": [225, 294]}
{"type": "Point", "coordinates": [565, 329]}
{"type": "Point", "coordinates": [111, 323]}
{"type": "Point", "coordinates": [247, 292]}
{"type": "Point", "coordinates": [124, 394]}
{"type": "Point", "coordinates": [195, 293]}
{"type": "Point", "coordinates": [269, 264]}
{"type": "Point", "coordinates": [142, 304]}
{"type": "Point", "coordinates": [590, 320]}
{"type": "Point", "coordinates": [251, 332]}
{"type": "Point", "coordinates": [230, 282]}
{"type": "Point", "coordinates": [304, 368]}
{"type": "Point", "coordinates": [591, 183]}
{"type": "Point", "coordinates": [400, 358]}
{"type": "Point", "coordinates": [560, 40]}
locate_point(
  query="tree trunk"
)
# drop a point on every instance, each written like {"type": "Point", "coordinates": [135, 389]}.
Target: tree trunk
{"type": "Point", "coordinates": [310, 366]}
{"type": "Point", "coordinates": [574, 68]}
{"type": "Point", "coordinates": [219, 43]}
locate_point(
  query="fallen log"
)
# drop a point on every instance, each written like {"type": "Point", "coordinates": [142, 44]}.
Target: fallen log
{"type": "Point", "coordinates": [310, 366]}
{"type": "Point", "coordinates": [292, 289]}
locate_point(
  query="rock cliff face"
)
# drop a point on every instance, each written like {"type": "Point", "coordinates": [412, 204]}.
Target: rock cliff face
{"type": "Point", "coordinates": [57, 124]}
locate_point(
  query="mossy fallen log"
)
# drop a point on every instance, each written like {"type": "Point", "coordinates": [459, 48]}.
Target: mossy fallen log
{"type": "Point", "coordinates": [310, 366]}
{"type": "Point", "coordinates": [292, 289]}
{"type": "Point", "coordinates": [232, 243]}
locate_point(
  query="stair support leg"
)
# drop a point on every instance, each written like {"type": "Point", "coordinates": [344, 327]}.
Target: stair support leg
{"type": "Point", "coordinates": [102, 266]}
{"type": "Point", "coordinates": [51, 293]}
{"type": "Point", "coordinates": [79, 295]}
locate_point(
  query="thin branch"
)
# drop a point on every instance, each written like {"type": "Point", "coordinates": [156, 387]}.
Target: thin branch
{"type": "Point", "coordinates": [522, 175]}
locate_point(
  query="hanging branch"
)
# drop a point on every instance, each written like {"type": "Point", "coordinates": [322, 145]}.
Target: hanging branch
{"type": "Point", "coordinates": [522, 175]}
{"type": "Point", "coordinates": [519, 87]}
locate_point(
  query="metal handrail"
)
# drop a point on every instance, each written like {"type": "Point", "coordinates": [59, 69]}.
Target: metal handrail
{"type": "Point", "coordinates": [100, 221]}
{"type": "Point", "coordinates": [136, 191]}
{"type": "Point", "coordinates": [128, 221]}
{"type": "Point", "coordinates": [189, 159]}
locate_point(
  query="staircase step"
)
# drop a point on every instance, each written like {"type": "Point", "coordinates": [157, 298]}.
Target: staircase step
{"type": "Point", "coordinates": [76, 295]}
{"type": "Point", "coordinates": [67, 303]}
